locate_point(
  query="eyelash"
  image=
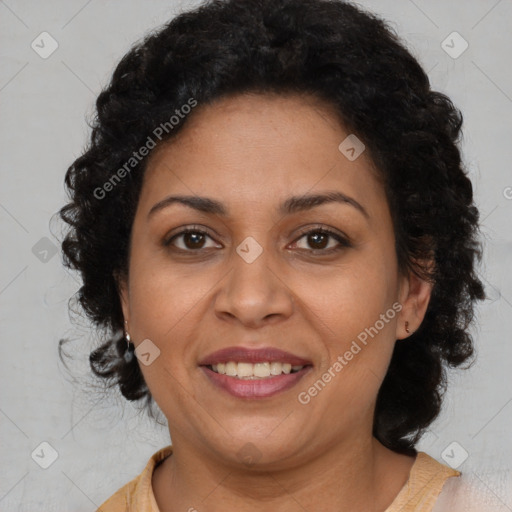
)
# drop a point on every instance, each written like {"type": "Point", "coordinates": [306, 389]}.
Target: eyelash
{"type": "Point", "coordinates": [343, 242]}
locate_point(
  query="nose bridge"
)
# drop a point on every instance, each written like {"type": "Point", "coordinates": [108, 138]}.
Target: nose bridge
{"type": "Point", "coordinates": [253, 290]}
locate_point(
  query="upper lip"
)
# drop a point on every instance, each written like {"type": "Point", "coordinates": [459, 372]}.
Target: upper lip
{"type": "Point", "coordinates": [251, 355]}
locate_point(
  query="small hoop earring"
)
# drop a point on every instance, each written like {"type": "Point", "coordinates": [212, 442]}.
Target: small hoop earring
{"type": "Point", "coordinates": [407, 328]}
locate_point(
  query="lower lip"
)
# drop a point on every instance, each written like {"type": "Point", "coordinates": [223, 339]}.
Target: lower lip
{"type": "Point", "coordinates": [255, 388]}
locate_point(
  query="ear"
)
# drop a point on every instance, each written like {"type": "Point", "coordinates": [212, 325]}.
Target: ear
{"type": "Point", "coordinates": [122, 289]}
{"type": "Point", "coordinates": [414, 296]}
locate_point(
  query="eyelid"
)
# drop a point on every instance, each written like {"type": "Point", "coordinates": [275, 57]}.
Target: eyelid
{"type": "Point", "coordinates": [321, 228]}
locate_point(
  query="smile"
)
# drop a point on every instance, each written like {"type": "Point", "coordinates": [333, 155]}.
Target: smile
{"type": "Point", "coordinates": [245, 372]}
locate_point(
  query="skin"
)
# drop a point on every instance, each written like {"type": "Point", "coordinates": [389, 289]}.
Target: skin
{"type": "Point", "coordinates": [251, 152]}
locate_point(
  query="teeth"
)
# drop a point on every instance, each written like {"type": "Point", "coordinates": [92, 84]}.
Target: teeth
{"type": "Point", "coordinates": [276, 368]}
{"type": "Point", "coordinates": [254, 371]}
{"type": "Point", "coordinates": [261, 369]}
{"type": "Point", "coordinates": [245, 370]}
{"type": "Point", "coordinates": [231, 369]}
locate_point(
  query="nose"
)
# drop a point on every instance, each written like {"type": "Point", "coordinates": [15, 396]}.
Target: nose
{"type": "Point", "coordinates": [254, 294]}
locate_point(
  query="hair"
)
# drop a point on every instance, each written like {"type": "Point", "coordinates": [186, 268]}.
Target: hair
{"type": "Point", "coordinates": [352, 61]}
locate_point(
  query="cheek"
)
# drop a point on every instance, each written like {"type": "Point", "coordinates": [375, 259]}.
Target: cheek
{"type": "Point", "coordinates": [162, 296]}
{"type": "Point", "coordinates": [166, 306]}
{"type": "Point", "coordinates": [169, 306]}
{"type": "Point", "coordinates": [352, 295]}
{"type": "Point", "coordinates": [354, 311]}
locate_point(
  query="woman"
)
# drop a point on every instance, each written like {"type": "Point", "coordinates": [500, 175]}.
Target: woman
{"type": "Point", "coordinates": [273, 221]}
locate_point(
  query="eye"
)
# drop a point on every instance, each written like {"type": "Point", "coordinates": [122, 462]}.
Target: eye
{"type": "Point", "coordinates": [318, 239]}
{"type": "Point", "coordinates": [193, 239]}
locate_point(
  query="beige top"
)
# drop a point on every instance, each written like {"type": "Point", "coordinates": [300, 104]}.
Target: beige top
{"type": "Point", "coordinates": [419, 494]}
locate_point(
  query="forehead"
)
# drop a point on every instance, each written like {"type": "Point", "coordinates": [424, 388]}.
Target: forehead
{"type": "Point", "coordinates": [258, 149]}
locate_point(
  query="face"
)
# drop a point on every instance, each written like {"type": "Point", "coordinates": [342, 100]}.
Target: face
{"type": "Point", "coordinates": [271, 282]}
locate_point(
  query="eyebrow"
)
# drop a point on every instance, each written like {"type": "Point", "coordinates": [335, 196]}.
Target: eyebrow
{"type": "Point", "coordinates": [291, 205]}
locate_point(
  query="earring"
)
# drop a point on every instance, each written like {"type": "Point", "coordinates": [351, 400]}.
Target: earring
{"type": "Point", "coordinates": [126, 335]}
{"type": "Point", "coordinates": [128, 355]}
{"type": "Point", "coordinates": [407, 328]}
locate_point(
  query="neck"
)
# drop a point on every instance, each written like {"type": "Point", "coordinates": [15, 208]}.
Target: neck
{"type": "Point", "coordinates": [356, 475]}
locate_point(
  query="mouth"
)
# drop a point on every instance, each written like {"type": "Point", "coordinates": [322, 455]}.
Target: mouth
{"type": "Point", "coordinates": [254, 373]}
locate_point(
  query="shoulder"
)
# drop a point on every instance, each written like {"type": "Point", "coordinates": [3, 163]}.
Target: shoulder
{"type": "Point", "coordinates": [426, 479]}
{"type": "Point", "coordinates": [428, 476]}
{"type": "Point", "coordinates": [138, 493]}
{"type": "Point", "coordinates": [119, 501]}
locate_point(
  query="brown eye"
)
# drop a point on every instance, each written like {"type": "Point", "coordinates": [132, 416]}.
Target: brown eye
{"type": "Point", "coordinates": [191, 240]}
{"type": "Point", "coordinates": [319, 240]}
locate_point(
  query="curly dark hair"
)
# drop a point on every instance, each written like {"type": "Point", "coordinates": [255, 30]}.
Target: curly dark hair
{"type": "Point", "coordinates": [354, 62]}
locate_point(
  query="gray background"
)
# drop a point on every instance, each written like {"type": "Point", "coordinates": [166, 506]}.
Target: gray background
{"type": "Point", "coordinates": [103, 442]}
